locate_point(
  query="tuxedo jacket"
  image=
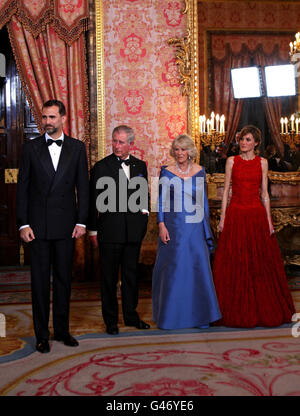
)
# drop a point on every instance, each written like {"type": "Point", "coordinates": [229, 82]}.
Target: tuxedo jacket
{"type": "Point", "coordinates": [118, 227]}
{"type": "Point", "coordinates": [50, 201]}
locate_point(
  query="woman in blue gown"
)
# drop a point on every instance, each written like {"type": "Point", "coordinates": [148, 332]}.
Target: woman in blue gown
{"type": "Point", "coordinates": [183, 292]}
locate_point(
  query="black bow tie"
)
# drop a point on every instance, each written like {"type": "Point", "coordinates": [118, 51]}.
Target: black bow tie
{"type": "Point", "coordinates": [126, 161]}
{"type": "Point", "coordinates": [50, 141]}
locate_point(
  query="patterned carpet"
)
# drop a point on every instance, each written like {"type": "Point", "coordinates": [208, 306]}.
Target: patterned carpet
{"type": "Point", "coordinates": [214, 362]}
{"type": "Point", "coordinates": [236, 363]}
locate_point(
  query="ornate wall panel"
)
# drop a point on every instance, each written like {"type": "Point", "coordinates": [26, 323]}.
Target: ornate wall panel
{"type": "Point", "coordinates": [141, 77]}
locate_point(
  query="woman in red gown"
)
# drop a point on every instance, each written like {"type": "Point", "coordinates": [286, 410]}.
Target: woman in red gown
{"type": "Point", "coordinates": [248, 270]}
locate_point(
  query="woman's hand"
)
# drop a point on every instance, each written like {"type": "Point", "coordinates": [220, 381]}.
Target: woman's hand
{"type": "Point", "coordinates": [163, 233]}
{"type": "Point", "coordinates": [271, 228]}
{"type": "Point", "coordinates": [220, 225]}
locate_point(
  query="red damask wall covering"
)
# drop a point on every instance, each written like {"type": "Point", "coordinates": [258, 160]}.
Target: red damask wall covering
{"type": "Point", "coordinates": [141, 77]}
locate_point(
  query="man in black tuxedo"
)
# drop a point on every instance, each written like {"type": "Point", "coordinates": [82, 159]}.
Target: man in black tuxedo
{"type": "Point", "coordinates": [118, 227]}
{"type": "Point", "coordinates": [52, 210]}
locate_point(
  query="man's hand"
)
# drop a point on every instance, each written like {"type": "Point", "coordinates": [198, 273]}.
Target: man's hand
{"type": "Point", "coordinates": [94, 240]}
{"type": "Point", "coordinates": [78, 231]}
{"type": "Point", "coordinates": [27, 235]}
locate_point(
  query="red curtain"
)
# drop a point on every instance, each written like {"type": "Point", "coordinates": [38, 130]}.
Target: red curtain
{"type": "Point", "coordinates": [48, 43]}
{"type": "Point", "coordinates": [47, 39]}
{"type": "Point", "coordinates": [69, 18]}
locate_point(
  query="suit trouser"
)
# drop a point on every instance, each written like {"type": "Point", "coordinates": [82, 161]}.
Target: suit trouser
{"type": "Point", "coordinates": [59, 255]}
{"type": "Point", "coordinates": [112, 255]}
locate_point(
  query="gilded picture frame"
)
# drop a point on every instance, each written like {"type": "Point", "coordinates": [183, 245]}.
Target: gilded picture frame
{"type": "Point", "coordinates": [99, 29]}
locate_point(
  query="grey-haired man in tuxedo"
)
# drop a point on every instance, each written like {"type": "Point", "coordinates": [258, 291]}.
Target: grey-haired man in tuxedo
{"type": "Point", "coordinates": [119, 232]}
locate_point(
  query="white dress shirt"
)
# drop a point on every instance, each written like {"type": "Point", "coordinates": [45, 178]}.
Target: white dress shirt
{"type": "Point", "coordinates": [55, 150]}
{"type": "Point", "coordinates": [126, 168]}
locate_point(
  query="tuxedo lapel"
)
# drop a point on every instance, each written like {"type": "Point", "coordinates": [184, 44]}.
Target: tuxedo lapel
{"type": "Point", "coordinates": [41, 148]}
{"type": "Point", "coordinates": [114, 166]}
{"type": "Point", "coordinates": [64, 160]}
{"type": "Point", "coordinates": [134, 167]}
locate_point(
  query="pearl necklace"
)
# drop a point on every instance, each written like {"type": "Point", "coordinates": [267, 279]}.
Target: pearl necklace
{"type": "Point", "coordinates": [183, 172]}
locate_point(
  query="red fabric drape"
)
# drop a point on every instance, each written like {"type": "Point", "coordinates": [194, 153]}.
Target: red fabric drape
{"type": "Point", "coordinates": [68, 18]}
{"type": "Point", "coordinates": [7, 9]}
{"type": "Point", "coordinates": [49, 48]}
{"type": "Point", "coordinates": [47, 39]}
{"type": "Point", "coordinates": [49, 68]}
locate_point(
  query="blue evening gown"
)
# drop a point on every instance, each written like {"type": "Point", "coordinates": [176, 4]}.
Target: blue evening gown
{"type": "Point", "coordinates": [183, 292]}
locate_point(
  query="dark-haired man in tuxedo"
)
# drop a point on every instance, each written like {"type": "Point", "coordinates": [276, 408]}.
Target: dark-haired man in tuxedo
{"type": "Point", "coordinates": [118, 229]}
{"type": "Point", "coordinates": [52, 210]}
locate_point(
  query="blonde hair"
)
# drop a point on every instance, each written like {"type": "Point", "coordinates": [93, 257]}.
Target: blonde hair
{"type": "Point", "coordinates": [186, 143]}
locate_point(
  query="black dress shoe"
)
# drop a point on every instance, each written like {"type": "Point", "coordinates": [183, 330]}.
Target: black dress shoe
{"type": "Point", "coordinates": [112, 329]}
{"type": "Point", "coordinates": [42, 345]}
{"type": "Point", "coordinates": [67, 340]}
{"type": "Point", "coordinates": [142, 325]}
{"type": "Point", "coordinates": [139, 325]}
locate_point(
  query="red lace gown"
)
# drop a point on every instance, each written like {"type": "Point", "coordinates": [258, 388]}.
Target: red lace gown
{"type": "Point", "coordinates": [248, 270]}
